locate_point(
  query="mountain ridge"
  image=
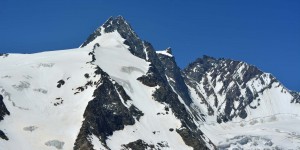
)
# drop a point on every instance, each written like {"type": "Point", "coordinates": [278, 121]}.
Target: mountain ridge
{"type": "Point", "coordinates": [117, 92]}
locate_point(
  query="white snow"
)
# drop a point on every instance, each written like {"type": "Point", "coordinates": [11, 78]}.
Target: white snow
{"type": "Point", "coordinates": [96, 143]}
{"type": "Point", "coordinates": [164, 52]}
{"type": "Point", "coordinates": [30, 94]}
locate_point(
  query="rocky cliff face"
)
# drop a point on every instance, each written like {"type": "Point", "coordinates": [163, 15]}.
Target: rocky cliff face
{"type": "Point", "coordinates": [174, 76]}
{"type": "Point", "coordinates": [228, 88]}
{"type": "Point", "coordinates": [224, 86]}
{"type": "Point", "coordinates": [117, 92]}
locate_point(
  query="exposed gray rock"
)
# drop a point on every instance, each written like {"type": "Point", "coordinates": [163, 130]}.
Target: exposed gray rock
{"type": "Point", "coordinates": [55, 143]}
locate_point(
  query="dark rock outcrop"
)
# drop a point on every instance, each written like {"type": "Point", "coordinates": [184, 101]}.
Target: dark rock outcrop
{"type": "Point", "coordinates": [3, 112]}
{"type": "Point", "coordinates": [173, 72]}
{"type": "Point", "coordinates": [4, 55]}
{"type": "Point", "coordinates": [60, 83]}
{"type": "Point", "coordinates": [3, 109]}
{"type": "Point", "coordinates": [152, 77]}
{"type": "Point", "coordinates": [138, 145]}
{"type": "Point", "coordinates": [105, 113]}
{"type": "Point", "coordinates": [3, 136]}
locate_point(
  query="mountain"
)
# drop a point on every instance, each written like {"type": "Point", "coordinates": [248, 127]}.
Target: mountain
{"type": "Point", "coordinates": [117, 92]}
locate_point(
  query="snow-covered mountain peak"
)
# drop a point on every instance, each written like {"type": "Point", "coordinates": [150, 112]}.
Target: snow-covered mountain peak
{"type": "Point", "coordinates": [120, 26]}
{"type": "Point", "coordinates": [116, 92]}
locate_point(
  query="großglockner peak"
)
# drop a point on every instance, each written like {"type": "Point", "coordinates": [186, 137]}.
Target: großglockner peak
{"type": "Point", "coordinates": [120, 25]}
{"type": "Point", "coordinates": [117, 92]}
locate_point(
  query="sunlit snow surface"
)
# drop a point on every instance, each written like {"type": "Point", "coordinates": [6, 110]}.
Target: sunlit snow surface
{"type": "Point", "coordinates": [164, 52]}
{"type": "Point", "coordinates": [29, 86]}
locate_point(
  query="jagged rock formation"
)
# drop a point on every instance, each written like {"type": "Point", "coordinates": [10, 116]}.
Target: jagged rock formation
{"type": "Point", "coordinates": [233, 77]}
{"type": "Point", "coordinates": [228, 87]}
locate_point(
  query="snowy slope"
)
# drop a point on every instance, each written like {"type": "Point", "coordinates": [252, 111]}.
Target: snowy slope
{"type": "Point", "coordinates": [40, 112]}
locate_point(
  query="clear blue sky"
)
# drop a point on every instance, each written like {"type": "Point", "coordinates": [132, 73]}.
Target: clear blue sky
{"type": "Point", "coordinates": [265, 33]}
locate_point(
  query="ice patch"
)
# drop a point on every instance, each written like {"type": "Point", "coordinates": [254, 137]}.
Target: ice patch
{"type": "Point", "coordinates": [47, 65]}
{"type": "Point", "coordinates": [40, 90]}
{"type": "Point", "coordinates": [30, 128]}
{"type": "Point", "coordinates": [55, 143]}
{"type": "Point", "coordinates": [21, 86]}
{"type": "Point", "coordinates": [247, 142]}
{"type": "Point", "coordinates": [6, 76]}
{"type": "Point", "coordinates": [130, 69]}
